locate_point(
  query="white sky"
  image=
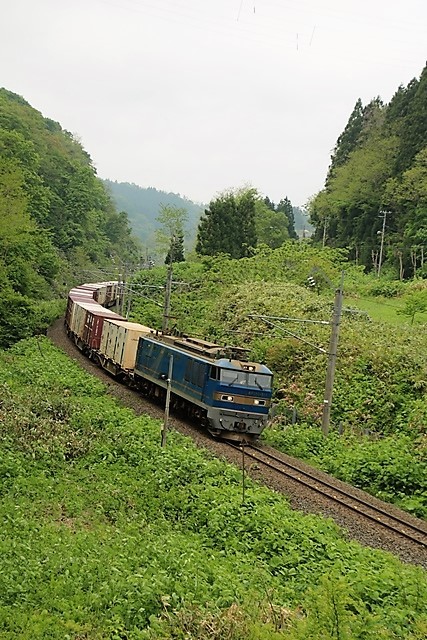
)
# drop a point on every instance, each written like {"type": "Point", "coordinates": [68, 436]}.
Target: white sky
{"type": "Point", "coordinates": [196, 96]}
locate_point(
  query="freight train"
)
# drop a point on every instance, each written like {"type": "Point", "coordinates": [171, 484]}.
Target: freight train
{"type": "Point", "coordinates": [216, 385]}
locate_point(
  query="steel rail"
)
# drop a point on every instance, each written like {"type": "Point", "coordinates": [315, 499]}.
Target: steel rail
{"type": "Point", "coordinates": [336, 490]}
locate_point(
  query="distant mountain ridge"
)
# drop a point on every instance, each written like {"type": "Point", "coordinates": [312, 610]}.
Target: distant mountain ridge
{"type": "Point", "coordinates": [142, 205]}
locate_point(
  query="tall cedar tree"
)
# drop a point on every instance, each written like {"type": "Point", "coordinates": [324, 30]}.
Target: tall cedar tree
{"type": "Point", "coordinates": [413, 123]}
{"type": "Point", "coordinates": [286, 207]}
{"type": "Point", "coordinates": [176, 249]}
{"type": "Point", "coordinates": [347, 141]}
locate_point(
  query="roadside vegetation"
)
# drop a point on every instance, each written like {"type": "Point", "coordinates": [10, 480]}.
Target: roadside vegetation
{"type": "Point", "coordinates": [107, 535]}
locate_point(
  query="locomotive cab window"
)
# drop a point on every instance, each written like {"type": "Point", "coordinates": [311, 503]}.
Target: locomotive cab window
{"type": "Point", "coordinates": [197, 374]}
{"type": "Point", "coordinates": [244, 378]}
{"type": "Point", "coordinates": [188, 370]}
{"type": "Point", "coordinates": [214, 373]}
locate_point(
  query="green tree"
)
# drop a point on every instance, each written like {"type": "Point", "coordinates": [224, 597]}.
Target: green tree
{"type": "Point", "coordinates": [229, 225]}
{"type": "Point", "coordinates": [407, 196]}
{"type": "Point", "coordinates": [245, 218]}
{"type": "Point", "coordinates": [170, 235]}
{"type": "Point", "coordinates": [415, 303]}
{"type": "Point", "coordinates": [271, 225]}
{"type": "Point", "coordinates": [176, 251]}
{"type": "Point", "coordinates": [285, 206]}
{"type": "Point", "coordinates": [412, 124]}
{"type": "Point", "coordinates": [348, 139]}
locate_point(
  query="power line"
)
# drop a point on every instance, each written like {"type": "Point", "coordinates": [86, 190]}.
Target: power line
{"type": "Point", "coordinates": [293, 335]}
{"type": "Point", "coordinates": [287, 319]}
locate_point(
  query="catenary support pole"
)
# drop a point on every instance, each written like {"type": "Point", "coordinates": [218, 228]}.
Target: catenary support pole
{"type": "Point", "coordinates": [384, 215]}
{"type": "Point", "coordinates": [333, 346]}
{"type": "Point", "coordinates": [129, 303]}
{"type": "Point", "coordinates": [243, 472]}
{"type": "Point", "coordinates": [167, 305]}
{"type": "Point", "coordinates": [168, 398]}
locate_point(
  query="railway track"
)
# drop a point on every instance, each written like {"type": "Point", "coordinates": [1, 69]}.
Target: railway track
{"type": "Point", "coordinates": [367, 531]}
{"type": "Point", "coordinates": [346, 498]}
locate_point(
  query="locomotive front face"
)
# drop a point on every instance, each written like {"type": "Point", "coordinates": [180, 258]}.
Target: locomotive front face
{"type": "Point", "coordinates": [241, 397]}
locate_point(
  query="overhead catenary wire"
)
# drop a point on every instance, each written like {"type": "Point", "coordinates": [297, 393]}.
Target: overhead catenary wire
{"type": "Point", "coordinates": [294, 335]}
{"type": "Point", "coordinates": [288, 319]}
{"type": "Point", "coordinates": [276, 30]}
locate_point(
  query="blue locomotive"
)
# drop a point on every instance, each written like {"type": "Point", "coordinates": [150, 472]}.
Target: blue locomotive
{"type": "Point", "coordinates": [215, 385]}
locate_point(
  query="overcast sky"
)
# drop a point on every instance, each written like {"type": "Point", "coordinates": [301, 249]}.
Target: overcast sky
{"type": "Point", "coordinates": [196, 96]}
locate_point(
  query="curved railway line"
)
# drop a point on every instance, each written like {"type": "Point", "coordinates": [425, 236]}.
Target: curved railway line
{"type": "Point", "coordinates": [413, 531]}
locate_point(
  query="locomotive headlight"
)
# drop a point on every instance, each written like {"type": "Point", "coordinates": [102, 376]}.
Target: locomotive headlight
{"type": "Point", "coordinates": [228, 398]}
{"type": "Point", "coordinates": [261, 403]}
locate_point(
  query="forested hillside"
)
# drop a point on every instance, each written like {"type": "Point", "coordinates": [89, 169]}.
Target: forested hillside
{"type": "Point", "coordinates": [57, 220]}
{"type": "Point", "coordinates": [142, 206]}
{"type": "Point", "coordinates": [376, 188]}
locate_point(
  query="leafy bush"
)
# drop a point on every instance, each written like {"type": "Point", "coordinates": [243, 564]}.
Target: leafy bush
{"type": "Point", "coordinates": [386, 289]}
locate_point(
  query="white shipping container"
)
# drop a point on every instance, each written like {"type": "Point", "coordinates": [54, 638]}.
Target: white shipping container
{"type": "Point", "coordinates": [108, 338]}
{"type": "Point", "coordinates": [119, 341]}
{"type": "Point", "coordinates": [101, 294]}
{"type": "Point", "coordinates": [78, 316]}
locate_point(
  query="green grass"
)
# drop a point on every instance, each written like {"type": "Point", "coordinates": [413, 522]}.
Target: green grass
{"type": "Point", "coordinates": [384, 310]}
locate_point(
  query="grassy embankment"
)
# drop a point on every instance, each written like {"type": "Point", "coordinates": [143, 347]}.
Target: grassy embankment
{"type": "Point", "coordinates": [107, 535]}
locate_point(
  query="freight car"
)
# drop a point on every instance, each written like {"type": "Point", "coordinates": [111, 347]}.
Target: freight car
{"type": "Point", "coordinates": [218, 386]}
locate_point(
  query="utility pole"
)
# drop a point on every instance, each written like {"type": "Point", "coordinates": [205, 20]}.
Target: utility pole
{"type": "Point", "coordinates": [129, 303]}
{"type": "Point", "coordinates": [333, 346]}
{"type": "Point", "coordinates": [168, 289]}
{"type": "Point", "coordinates": [167, 305]}
{"type": "Point", "coordinates": [243, 472]}
{"type": "Point", "coordinates": [121, 290]}
{"type": "Point", "coordinates": [122, 287]}
{"type": "Point", "coordinates": [384, 215]}
{"type": "Point", "coordinates": [168, 398]}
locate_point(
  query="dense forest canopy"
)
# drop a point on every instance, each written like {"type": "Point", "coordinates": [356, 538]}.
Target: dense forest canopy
{"type": "Point", "coordinates": [238, 221]}
{"type": "Point", "coordinates": [57, 219]}
{"type": "Point", "coordinates": [376, 188]}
